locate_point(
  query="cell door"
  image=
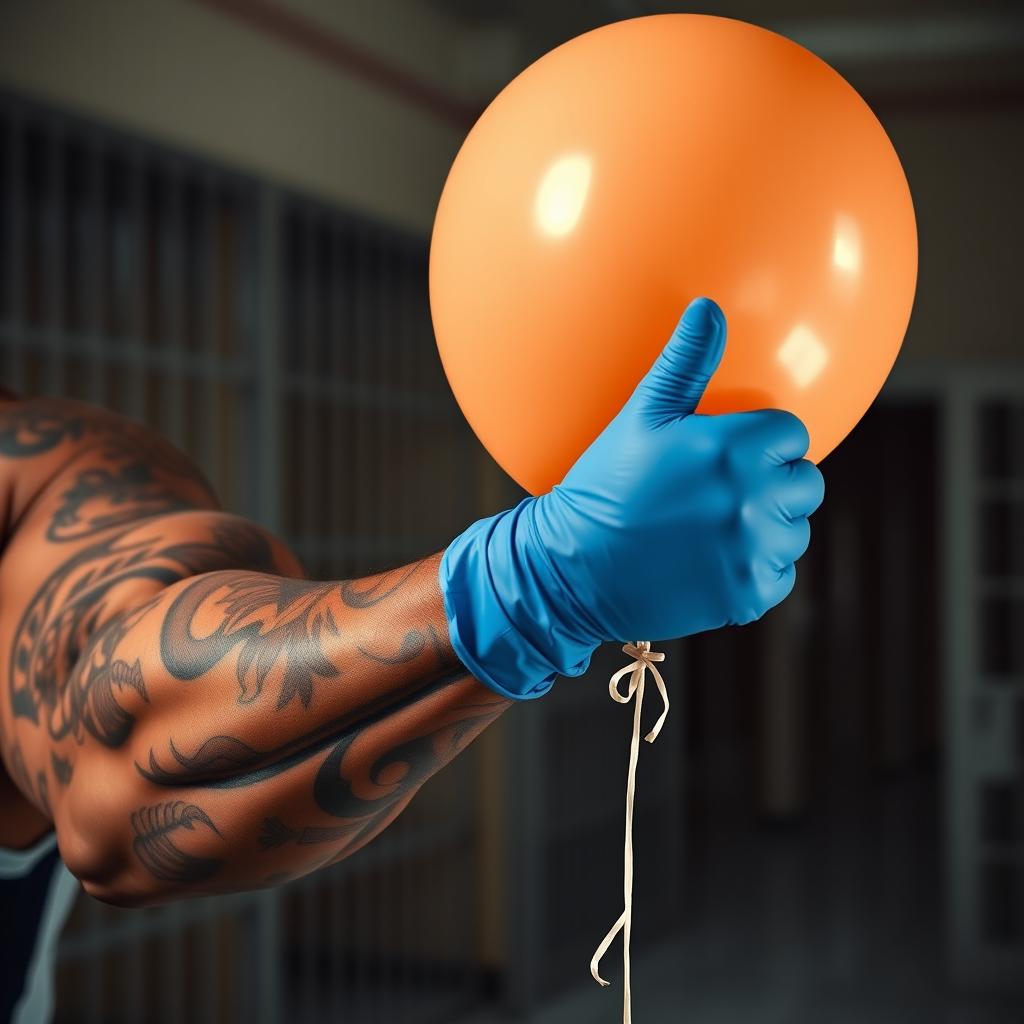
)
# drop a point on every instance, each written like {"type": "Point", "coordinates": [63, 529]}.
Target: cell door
{"type": "Point", "coordinates": [984, 655]}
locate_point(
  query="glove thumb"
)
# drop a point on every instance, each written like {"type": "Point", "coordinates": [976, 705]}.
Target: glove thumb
{"type": "Point", "coordinates": [675, 384]}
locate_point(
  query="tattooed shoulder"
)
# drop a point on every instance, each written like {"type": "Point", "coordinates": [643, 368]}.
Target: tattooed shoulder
{"type": "Point", "coordinates": [105, 470]}
{"type": "Point", "coordinates": [33, 427]}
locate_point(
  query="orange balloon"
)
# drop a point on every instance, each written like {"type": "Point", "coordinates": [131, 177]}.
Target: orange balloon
{"type": "Point", "coordinates": [636, 167]}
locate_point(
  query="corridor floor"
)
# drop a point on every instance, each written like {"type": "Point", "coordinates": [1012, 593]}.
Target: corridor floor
{"type": "Point", "coordinates": [838, 922]}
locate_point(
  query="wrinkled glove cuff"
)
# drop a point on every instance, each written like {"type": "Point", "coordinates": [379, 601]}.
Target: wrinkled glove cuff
{"type": "Point", "coordinates": [500, 619]}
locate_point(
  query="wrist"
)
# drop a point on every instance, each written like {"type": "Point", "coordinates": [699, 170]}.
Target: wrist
{"type": "Point", "coordinates": [505, 611]}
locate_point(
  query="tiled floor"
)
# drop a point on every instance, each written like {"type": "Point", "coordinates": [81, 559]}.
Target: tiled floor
{"type": "Point", "coordinates": [837, 923]}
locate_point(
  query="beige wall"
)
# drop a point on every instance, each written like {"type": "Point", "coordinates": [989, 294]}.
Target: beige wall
{"type": "Point", "coordinates": [194, 77]}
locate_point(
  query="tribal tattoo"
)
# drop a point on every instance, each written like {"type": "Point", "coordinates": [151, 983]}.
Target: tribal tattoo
{"type": "Point", "coordinates": [33, 428]}
{"type": "Point", "coordinates": [156, 829]}
{"type": "Point", "coordinates": [127, 473]}
{"type": "Point", "coordinates": [100, 498]}
{"type": "Point", "coordinates": [63, 670]}
{"type": "Point", "coordinates": [276, 833]}
{"type": "Point", "coordinates": [268, 619]}
{"type": "Point", "coordinates": [62, 768]}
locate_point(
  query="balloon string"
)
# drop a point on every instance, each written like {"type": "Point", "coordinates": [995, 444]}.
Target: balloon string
{"type": "Point", "coordinates": [643, 659]}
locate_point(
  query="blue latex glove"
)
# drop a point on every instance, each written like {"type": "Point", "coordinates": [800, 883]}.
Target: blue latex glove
{"type": "Point", "coordinates": [670, 523]}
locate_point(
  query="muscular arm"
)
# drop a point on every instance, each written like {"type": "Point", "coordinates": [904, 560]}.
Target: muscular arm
{"type": "Point", "coordinates": [259, 727]}
{"type": "Point", "coordinates": [194, 718]}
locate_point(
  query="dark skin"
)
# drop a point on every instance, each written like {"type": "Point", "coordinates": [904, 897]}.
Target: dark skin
{"type": "Point", "coordinates": [188, 711]}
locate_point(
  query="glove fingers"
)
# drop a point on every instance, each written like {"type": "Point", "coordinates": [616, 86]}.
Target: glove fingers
{"type": "Point", "coordinates": [792, 543]}
{"type": "Point", "coordinates": [772, 434]}
{"type": "Point", "coordinates": [781, 541]}
{"type": "Point", "coordinates": [775, 583]}
{"type": "Point", "coordinates": [800, 489]}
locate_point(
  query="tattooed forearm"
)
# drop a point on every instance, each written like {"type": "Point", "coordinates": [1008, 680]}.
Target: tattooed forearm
{"type": "Point", "coordinates": [367, 798]}
{"type": "Point", "coordinates": [347, 787]}
{"type": "Point", "coordinates": [156, 830]}
{"type": "Point", "coordinates": [219, 757]}
{"type": "Point", "coordinates": [386, 709]}
{"type": "Point", "coordinates": [413, 644]}
{"type": "Point", "coordinates": [367, 593]}
{"type": "Point", "coordinates": [275, 833]}
{"type": "Point", "coordinates": [268, 619]}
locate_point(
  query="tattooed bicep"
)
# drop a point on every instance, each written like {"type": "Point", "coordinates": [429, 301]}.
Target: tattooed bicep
{"type": "Point", "coordinates": [92, 597]}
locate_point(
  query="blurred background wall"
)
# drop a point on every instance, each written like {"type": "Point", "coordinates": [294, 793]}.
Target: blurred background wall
{"type": "Point", "coordinates": [214, 216]}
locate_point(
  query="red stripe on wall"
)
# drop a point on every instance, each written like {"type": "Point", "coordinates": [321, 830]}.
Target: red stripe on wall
{"type": "Point", "coordinates": [333, 49]}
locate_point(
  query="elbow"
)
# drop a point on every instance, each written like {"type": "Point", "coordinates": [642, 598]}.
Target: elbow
{"type": "Point", "coordinates": [113, 872]}
{"type": "Point", "coordinates": [91, 835]}
{"type": "Point", "coordinates": [145, 871]}
{"type": "Point", "coordinates": [95, 858]}
{"type": "Point", "coordinates": [119, 895]}
{"type": "Point", "coordinates": [130, 853]}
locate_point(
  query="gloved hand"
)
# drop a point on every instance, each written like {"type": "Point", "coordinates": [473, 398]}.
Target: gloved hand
{"type": "Point", "coordinates": [669, 524]}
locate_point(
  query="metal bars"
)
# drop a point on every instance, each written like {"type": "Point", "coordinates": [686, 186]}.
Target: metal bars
{"type": "Point", "coordinates": [982, 557]}
{"type": "Point", "coordinates": [984, 561]}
